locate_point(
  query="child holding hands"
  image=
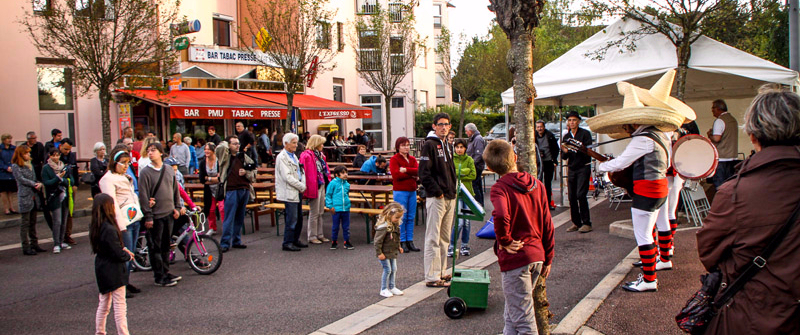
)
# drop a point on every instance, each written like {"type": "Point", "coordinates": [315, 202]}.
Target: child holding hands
{"type": "Point", "coordinates": [524, 230]}
{"type": "Point", "coordinates": [387, 245]}
{"type": "Point", "coordinates": [337, 200]}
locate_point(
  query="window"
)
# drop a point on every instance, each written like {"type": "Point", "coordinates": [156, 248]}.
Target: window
{"type": "Point", "coordinates": [338, 92]}
{"type": "Point", "coordinates": [437, 16]}
{"type": "Point", "coordinates": [398, 102]}
{"type": "Point", "coordinates": [373, 126]}
{"type": "Point", "coordinates": [441, 89]}
{"type": "Point", "coordinates": [55, 88]}
{"type": "Point", "coordinates": [422, 99]}
{"type": "Point", "coordinates": [222, 33]}
{"type": "Point", "coordinates": [92, 8]}
{"type": "Point", "coordinates": [323, 35]}
{"type": "Point", "coordinates": [396, 11]}
{"type": "Point", "coordinates": [396, 54]}
{"type": "Point", "coordinates": [439, 59]}
{"type": "Point", "coordinates": [367, 6]}
{"type": "Point", "coordinates": [41, 6]}
{"type": "Point", "coordinates": [369, 54]}
{"type": "Point", "coordinates": [340, 36]}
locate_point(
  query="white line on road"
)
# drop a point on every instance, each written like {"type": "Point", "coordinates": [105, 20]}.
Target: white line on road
{"type": "Point", "coordinates": [378, 312]}
{"type": "Point", "coordinates": [47, 240]}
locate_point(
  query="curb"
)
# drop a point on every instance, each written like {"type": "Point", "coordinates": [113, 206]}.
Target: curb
{"type": "Point", "coordinates": [622, 228]}
{"type": "Point", "coordinates": [77, 213]}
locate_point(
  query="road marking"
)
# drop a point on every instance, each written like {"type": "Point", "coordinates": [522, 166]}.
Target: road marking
{"type": "Point", "coordinates": [378, 312]}
{"type": "Point", "coordinates": [47, 240]}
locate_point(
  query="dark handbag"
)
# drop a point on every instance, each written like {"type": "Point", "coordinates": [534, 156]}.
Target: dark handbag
{"type": "Point", "coordinates": [220, 194]}
{"type": "Point", "coordinates": [88, 178]}
{"type": "Point", "coordinates": [701, 307]}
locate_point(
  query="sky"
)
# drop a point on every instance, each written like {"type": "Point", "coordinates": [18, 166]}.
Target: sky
{"type": "Point", "coordinates": [470, 17]}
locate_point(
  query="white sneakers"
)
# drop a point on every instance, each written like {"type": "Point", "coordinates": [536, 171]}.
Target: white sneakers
{"type": "Point", "coordinates": [640, 285]}
{"type": "Point", "coordinates": [56, 250]}
{"type": "Point", "coordinates": [663, 265]}
{"type": "Point", "coordinates": [396, 291]}
{"type": "Point", "coordinates": [65, 246]}
{"type": "Point", "coordinates": [210, 232]}
{"type": "Point", "coordinates": [386, 293]}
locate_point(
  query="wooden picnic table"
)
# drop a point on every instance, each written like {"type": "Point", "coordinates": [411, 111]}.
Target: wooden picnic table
{"type": "Point", "coordinates": [345, 164]}
{"type": "Point", "coordinates": [258, 186]}
{"type": "Point", "coordinates": [372, 177]}
{"type": "Point", "coordinates": [375, 190]}
{"type": "Point", "coordinates": [266, 170]}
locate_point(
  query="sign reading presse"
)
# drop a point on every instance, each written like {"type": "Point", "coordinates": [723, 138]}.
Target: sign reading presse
{"type": "Point", "coordinates": [226, 56]}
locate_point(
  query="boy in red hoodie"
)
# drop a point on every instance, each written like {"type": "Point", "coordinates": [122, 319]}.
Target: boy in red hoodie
{"type": "Point", "coordinates": [524, 230]}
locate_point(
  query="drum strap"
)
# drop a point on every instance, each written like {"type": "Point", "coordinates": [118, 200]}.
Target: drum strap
{"type": "Point", "coordinates": [657, 139]}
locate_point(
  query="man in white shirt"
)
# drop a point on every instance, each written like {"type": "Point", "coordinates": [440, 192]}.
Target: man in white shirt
{"type": "Point", "coordinates": [725, 136]}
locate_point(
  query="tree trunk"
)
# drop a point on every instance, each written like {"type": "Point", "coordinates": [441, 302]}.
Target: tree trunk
{"type": "Point", "coordinates": [105, 102]}
{"type": "Point", "coordinates": [289, 106]}
{"type": "Point", "coordinates": [520, 62]}
{"type": "Point", "coordinates": [388, 101]}
{"type": "Point", "coordinates": [683, 53]}
{"type": "Point", "coordinates": [461, 119]}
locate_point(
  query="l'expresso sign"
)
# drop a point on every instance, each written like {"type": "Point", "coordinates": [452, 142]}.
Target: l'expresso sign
{"type": "Point", "coordinates": [178, 112]}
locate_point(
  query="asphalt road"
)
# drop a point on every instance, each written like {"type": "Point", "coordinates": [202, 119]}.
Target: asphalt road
{"type": "Point", "coordinates": [262, 290]}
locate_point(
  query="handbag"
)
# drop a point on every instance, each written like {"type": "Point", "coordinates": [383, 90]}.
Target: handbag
{"type": "Point", "coordinates": [88, 178]}
{"type": "Point", "coordinates": [132, 212]}
{"type": "Point", "coordinates": [487, 231]}
{"type": "Point", "coordinates": [701, 307]}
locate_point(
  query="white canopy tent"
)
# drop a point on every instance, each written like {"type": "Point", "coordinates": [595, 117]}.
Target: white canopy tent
{"type": "Point", "coordinates": [716, 70]}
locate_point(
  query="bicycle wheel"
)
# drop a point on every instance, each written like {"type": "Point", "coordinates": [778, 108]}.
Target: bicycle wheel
{"type": "Point", "coordinates": [141, 259]}
{"type": "Point", "coordinates": [204, 257]}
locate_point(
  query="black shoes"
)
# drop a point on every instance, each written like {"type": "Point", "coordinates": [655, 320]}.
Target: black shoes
{"type": "Point", "coordinates": [166, 283]}
{"type": "Point", "coordinates": [38, 249]}
{"type": "Point", "coordinates": [174, 278]}
{"type": "Point", "coordinates": [224, 250]}
{"type": "Point", "coordinates": [290, 247]}
{"type": "Point", "coordinates": [410, 245]}
{"type": "Point", "coordinates": [334, 245]}
{"type": "Point", "coordinates": [637, 264]}
{"type": "Point", "coordinates": [132, 289]}
{"type": "Point", "coordinates": [348, 246]}
{"type": "Point", "coordinates": [29, 252]}
{"type": "Point", "coordinates": [300, 244]}
{"type": "Point", "coordinates": [240, 246]}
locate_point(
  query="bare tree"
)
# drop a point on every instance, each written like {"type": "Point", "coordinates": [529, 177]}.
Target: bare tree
{"type": "Point", "coordinates": [387, 47]}
{"type": "Point", "coordinates": [105, 41]}
{"type": "Point", "coordinates": [680, 21]}
{"type": "Point", "coordinates": [443, 50]}
{"type": "Point", "coordinates": [294, 38]}
{"type": "Point", "coordinates": [518, 18]}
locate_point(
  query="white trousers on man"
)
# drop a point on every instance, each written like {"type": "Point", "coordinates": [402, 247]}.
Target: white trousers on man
{"type": "Point", "coordinates": [437, 236]}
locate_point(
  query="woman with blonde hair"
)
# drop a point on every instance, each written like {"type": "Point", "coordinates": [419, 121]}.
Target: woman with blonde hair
{"type": "Point", "coordinates": [145, 161]}
{"type": "Point", "coordinates": [318, 176]}
{"type": "Point", "coordinates": [27, 188]}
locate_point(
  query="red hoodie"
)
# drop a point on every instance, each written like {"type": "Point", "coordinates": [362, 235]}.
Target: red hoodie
{"type": "Point", "coordinates": [521, 213]}
{"type": "Point", "coordinates": [403, 181]}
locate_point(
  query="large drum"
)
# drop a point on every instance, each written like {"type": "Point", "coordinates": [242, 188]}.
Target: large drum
{"type": "Point", "coordinates": [694, 157]}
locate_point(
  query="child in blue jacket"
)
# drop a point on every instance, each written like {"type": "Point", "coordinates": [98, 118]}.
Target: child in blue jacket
{"type": "Point", "coordinates": [337, 200]}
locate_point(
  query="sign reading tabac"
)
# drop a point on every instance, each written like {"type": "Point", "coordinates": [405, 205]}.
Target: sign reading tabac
{"type": "Point", "coordinates": [226, 56]}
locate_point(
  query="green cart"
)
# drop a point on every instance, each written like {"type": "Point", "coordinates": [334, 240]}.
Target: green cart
{"type": "Point", "coordinates": [469, 288]}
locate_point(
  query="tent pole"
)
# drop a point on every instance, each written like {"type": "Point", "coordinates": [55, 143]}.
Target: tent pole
{"type": "Point", "coordinates": [561, 161]}
{"type": "Point", "coordinates": [794, 35]}
{"type": "Point", "coordinates": [505, 109]}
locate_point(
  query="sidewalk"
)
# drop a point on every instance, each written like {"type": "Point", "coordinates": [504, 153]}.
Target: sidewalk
{"type": "Point", "coordinates": [625, 312]}
{"type": "Point", "coordinates": [82, 207]}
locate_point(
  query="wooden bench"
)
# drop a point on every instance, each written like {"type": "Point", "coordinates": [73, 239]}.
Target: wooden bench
{"type": "Point", "coordinates": [370, 216]}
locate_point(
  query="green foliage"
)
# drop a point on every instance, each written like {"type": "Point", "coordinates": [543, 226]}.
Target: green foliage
{"type": "Point", "coordinates": [424, 118]}
{"type": "Point", "coordinates": [759, 27]}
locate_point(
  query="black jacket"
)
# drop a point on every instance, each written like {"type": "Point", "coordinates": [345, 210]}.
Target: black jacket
{"type": "Point", "coordinates": [359, 160]}
{"type": "Point", "coordinates": [437, 172]}
{"type": "Point", "coordinates": [552, 143]}
{"type": "Point", "coordinates": [215, 139]}
{"type": "Point", "coordinates": [109, 264]}
{"type": "Point", "coordinates": [72, 160]}
{"type": "Point", "coordinates": [577, 160]}
{"type": "Point", "coordinates": [39, 156]}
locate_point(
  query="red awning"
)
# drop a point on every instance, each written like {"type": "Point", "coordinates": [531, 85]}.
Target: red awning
{"type": "Point", "coordinates": [313, 107]}
{"type": "Point", "coordinates": [202, 104]}
{"type": "Point", "coordinates": [211, 104]}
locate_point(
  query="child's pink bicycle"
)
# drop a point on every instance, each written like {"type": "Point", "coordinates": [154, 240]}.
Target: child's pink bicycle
{"type": "Point", "coordinates": [202, 252]}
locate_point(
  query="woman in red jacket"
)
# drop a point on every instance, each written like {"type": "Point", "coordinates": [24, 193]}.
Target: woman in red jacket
{"type": "Point", "coordinates": [404, 186]}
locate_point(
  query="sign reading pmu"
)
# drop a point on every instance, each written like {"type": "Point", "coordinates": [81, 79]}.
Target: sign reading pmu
{"type": "Point", "coordinates": [226, 56]}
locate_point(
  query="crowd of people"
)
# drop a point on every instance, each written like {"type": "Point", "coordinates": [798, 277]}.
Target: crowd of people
{"type": "Point", "coordinates": [45, 178]}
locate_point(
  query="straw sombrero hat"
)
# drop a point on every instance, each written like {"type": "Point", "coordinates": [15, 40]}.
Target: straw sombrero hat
{"type": "Point", "coordinates": [652, 107]}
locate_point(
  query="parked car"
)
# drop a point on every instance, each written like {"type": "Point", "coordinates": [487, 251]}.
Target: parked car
{"type": "Point", "coordinates": [498, 131]}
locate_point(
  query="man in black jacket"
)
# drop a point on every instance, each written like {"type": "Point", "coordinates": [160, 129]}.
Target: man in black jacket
{"type": "Point", "coordinates": [70, 159]}
{"type": "Point", "coordinates": [54, 142]}
{"type": "Point", "coordinates": [578, 175]}
{"type": "Point", "coordinates": [437, 173]}
{"type": "Point", "coordinates": [548, 150]}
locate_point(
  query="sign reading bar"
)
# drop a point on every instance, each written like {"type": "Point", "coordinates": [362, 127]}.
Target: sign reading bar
{"type": "Point", "coordinates": [226, 56]}
{"type": "Point", "coordinates": [335, 114]}
{"type": "Point", "coordinates": [199, 112]}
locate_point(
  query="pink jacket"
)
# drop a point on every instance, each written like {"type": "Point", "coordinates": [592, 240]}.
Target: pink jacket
{"type": "Point", "coordinates": [187, 200]}
{"type": "Point", "coordinates": [309, 162]}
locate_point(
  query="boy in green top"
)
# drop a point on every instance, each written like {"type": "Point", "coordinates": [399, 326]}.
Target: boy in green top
{"type": "Point", "coordinates": [465, 170]}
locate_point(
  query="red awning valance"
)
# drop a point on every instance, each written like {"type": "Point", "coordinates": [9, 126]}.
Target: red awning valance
{"type": "Point", "coordinates": [313, 107]}
{"type": "Point", "coordinates": [201, 104]}
{"type": "Point", "coordinates": [211, 104]}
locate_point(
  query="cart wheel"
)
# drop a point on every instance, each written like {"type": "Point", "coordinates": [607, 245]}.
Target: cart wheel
{"type": "Point", "coordinates": [455, 308]}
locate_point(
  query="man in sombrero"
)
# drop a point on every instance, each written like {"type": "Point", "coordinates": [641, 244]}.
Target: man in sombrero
{"type": "Point", "coordinates": [648, 117]}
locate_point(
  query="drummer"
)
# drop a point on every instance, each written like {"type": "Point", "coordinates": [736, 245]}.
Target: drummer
{"type": "Point", "coordinates": [648, 152]}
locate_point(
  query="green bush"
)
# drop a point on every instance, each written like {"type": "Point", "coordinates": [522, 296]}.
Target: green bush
{"type": "Point", "coordinates": [424, 119]}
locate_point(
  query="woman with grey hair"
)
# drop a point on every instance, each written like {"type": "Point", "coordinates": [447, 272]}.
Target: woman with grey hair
{"type": "Point", "coordinates": [98, 166]}
{"type": "Point", "coordinates": [289, 185]}
{"type": "Point", "coordinates": [747, 213]}
{"type": "Point", "coordinates": [193, 162]}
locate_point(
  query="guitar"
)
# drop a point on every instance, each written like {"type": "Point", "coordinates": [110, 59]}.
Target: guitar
{"type": "Point", "coordinates": [623, 179]}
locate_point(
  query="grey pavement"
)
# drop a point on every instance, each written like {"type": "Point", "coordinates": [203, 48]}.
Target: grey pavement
{"type": "Point", "coordinates": [262, 290]}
